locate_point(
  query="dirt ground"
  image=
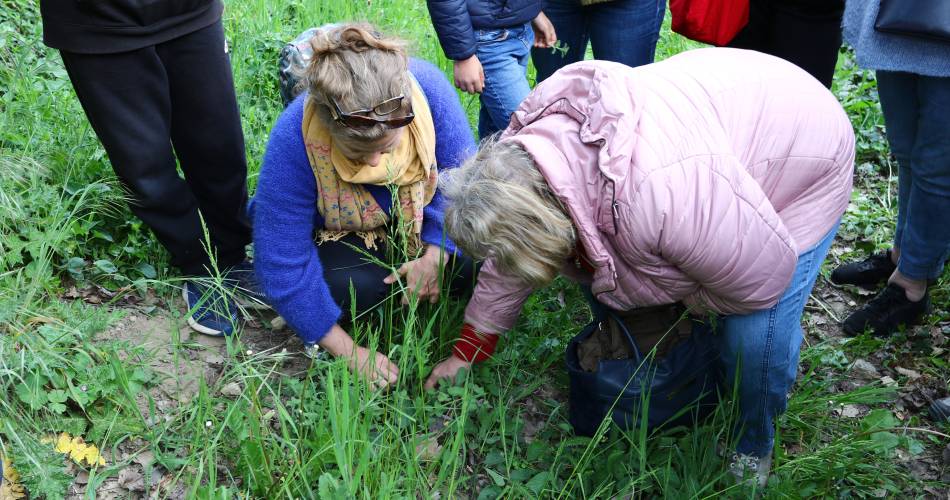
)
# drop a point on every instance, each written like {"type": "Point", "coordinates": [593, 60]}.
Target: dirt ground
{"type": "Point", "coordinates": [895, 362]}
{"type": "Point", "coordinates": [178, 372]}
{"type": "Point", "coordinates": [152, 325]}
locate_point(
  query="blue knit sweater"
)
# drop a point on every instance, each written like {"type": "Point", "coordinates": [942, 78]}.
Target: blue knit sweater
{"type": "Point", "coordinates": [285, 215]}
{"type": "Point", "coordinates": [884, 51]}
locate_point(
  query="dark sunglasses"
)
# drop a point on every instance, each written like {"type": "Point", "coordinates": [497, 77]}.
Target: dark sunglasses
{"type": "Point", "coordinates": [360, 118]}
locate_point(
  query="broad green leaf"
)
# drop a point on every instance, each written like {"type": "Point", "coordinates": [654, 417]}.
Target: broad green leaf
{"type": "Point", "coordinates": [539, 481]}
{"type": "Point", "coordinates": [147, 270]}
{"type": "Point", "coordinates": [496, 477]}
{"type": "Point", "coordinates": [106, 266]}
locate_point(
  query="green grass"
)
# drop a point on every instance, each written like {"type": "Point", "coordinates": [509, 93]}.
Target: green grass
{"type": "Point", "coordinates": [502, 432]}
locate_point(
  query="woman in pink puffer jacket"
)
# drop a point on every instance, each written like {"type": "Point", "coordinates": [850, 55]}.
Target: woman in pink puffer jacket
{"type": "Point", "coordinates": [716, 177]}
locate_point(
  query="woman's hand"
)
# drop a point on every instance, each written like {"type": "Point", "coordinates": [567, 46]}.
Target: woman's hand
{"type": "Point", "coordinates": [422, 275]}
{"type": "Point", "coordinates": [544, 35]}
{"type": "Point", "coordinates": [448, 368]}
{"type": "Point", "coordinates": [370, 365]}
{"type": "Point", "coordinates": [469, 75]}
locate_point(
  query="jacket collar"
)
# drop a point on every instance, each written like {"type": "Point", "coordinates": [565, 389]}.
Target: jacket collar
{"type": "Point", "coordinates": [588, 215]}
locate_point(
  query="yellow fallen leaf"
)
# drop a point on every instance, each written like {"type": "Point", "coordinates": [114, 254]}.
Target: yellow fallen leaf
{"type": "Point", "coordinates": [64, 443]}
{"type": "Point", "coordinates": [78, 450]}
{"type": "Point", "coordinates": [10, 487]}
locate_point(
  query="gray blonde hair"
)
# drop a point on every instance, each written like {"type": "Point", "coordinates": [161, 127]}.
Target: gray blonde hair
{"type": "Point", "coordinates": [500, 207]}
{"type": "Point", "coordinates": [358, 68]}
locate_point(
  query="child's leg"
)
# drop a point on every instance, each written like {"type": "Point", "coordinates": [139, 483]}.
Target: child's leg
{"type": "Point", "coordinates": [626, 31]}
{"type": "Point", "coordinates": [569, 18]}
{"type": "Point", "coordinates": [504, 57]}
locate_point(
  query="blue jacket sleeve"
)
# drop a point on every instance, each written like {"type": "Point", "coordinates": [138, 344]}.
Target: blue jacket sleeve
{"type": "Point", "coordinates": [285, 213]}
{"type": "Point", "coordinates": [453, 25]}
{"type": "Point", "coordinates": [454, 142]}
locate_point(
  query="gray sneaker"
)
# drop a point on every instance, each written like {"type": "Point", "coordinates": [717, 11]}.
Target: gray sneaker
{"type": "Point", "coordinates": [751, 470]}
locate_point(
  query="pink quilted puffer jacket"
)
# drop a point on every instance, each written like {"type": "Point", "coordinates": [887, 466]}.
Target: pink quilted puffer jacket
{"type": "Point", "coordinates": [700, 178]}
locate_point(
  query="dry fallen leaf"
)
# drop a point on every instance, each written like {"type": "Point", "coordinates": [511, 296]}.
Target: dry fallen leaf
{"type": "Point", "coordinates": [131, 479]}
{"type": "Point", "coordinates": [851, 411]}
{"type": "Point", "coordinates": [10, 487]}
{"type": "Point", "coordinates": [232, 389]}
{"type": "Point", "coordinates": [428, 448]}
{"type": "Point", "coordinates": [911, 374]}
{"type": "Point", "coordinates": [888, 381]}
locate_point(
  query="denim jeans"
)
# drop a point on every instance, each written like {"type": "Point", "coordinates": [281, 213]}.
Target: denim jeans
{"type": "Point", "coordinates": [503, 54]}
{"type": "Point", "coordinates": [624, 31]}
{"type": "Point", "coordinates": [763, 346]}
{"type": "Point", "coordinates": [917, 115]}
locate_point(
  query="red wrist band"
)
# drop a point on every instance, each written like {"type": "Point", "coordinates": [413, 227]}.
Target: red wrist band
{"type": "Point", "coordinates": [473, 346]}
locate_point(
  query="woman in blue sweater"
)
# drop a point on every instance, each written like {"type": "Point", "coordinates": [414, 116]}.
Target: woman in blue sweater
{"type": "Point", "coordinates": [372, 128]}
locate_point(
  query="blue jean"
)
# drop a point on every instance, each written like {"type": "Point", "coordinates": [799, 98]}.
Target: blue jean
{"type": "Point", "coordinates": [503, 54]}
{"type": "Point", "coordinates": [917, 115]}
{"type": "Point", "coordinates": [764, 346]}
{"type": "Point", "coordinates": [624, 31]}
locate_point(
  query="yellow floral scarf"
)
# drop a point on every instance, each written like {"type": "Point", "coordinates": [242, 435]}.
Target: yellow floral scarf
{"type": "Point", "coordinates": [346, 205]}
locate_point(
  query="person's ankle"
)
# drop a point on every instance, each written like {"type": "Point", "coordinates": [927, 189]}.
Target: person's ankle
{"type": "Point", "coordinates": [914, 290]}
{"type": "Point", "coordinates": [895, 255]}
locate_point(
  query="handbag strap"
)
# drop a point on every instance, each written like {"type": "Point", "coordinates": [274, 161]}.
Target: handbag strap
{"type": "Point", "coordinates": [611, 316]}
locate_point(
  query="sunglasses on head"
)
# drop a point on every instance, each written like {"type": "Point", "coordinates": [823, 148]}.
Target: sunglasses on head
{"type": "Point", "coordinates": [361, 118]}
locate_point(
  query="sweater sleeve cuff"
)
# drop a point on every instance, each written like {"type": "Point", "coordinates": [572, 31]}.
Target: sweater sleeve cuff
{"type": "Point", "coordinates": [315, 331]}
{"type": "Point", "coordinates": [474, 346]}
{"type": "Point", "coordinates": [432, 235]}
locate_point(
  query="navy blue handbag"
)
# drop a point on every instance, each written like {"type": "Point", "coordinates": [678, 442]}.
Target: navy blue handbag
{"type": "Point", "coordinates": [680, 386]}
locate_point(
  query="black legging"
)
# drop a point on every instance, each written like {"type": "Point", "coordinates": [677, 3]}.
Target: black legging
{"type": "Point", "coordinates": [344, 265]}
{"type": "Point", "coordinates": [804, 32]}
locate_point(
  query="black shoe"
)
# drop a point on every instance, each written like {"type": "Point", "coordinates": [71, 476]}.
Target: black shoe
{"type": "Point", "coordinates": [940, 410]}
{"type": "Point", "coordinates": [886, 312]}
{"type": "Point", "coordinates": [868, 273]}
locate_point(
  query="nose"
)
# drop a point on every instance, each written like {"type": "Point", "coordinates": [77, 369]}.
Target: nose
{"type": "Point", "coordinates": [373, 159]}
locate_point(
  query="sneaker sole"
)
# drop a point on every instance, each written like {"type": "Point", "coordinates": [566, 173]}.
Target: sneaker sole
{"type": "Point", "coordinates": [204, 330]}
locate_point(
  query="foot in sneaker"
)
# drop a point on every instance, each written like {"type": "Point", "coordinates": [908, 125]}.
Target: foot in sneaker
{"type": "Point", "coordinates": [247, 289]}
{"type": "Point", "coordinates": [209, 311]}
{"type": "Point", "coordinates": [751, 470]}
{"type": "Point", "coordinates": [886, 312]}
{"type": "Point", "coordinates": [869, 273]}
{"type": "Point", "coordinates": [940, 410]}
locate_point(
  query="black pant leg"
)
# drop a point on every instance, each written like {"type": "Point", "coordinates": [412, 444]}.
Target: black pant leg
{"type": "Point", "coordinates": [806, 33]}
{"type": "Point", "coordinates": [206, 132]}
{"type": "Point", "coordinates": [755, 34]}
{"type": "Point", "coordinates": [344, 265]}
{"type": "Point", "coordinates": [125, 97]}
{"type": "Point", "coordinates": [461, 272]}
